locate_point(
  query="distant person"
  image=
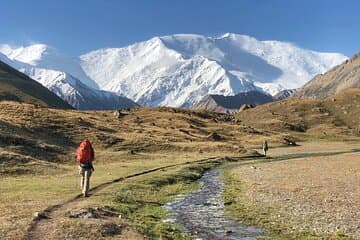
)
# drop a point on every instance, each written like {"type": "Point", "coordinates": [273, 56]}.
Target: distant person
{"type": "Point", "coordinates": [265, 147]}
{"type": "Point", "coordinates": [85, 155]}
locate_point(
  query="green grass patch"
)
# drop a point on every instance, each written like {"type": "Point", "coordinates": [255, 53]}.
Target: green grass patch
{"type": "Point", "coordinates": [141, 202]}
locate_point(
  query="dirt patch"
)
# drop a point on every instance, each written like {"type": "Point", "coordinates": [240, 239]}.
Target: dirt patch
{"type": "Point", "coordinates": [98, 221]}
{"type": "Point", "coordinates": [96, 213]}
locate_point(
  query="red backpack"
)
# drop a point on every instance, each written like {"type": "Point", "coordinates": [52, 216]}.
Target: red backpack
{"type": "Point", "coordinates": [84, 152]}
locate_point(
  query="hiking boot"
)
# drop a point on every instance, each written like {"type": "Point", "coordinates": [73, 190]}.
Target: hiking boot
{"type": "Point", "coordinates": [85, 195]}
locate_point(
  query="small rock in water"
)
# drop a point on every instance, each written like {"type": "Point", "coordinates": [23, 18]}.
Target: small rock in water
{"type": "Point", "coordinates": [228, 232]}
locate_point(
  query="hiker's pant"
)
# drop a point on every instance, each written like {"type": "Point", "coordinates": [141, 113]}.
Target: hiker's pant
{"type": "Point", "coordinates": [264, 151]}
{"type": "Point", "coordinates": [85, 179]}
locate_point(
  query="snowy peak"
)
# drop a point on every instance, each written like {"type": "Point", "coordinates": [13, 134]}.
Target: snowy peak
{"type": "Point", "coordinates": [76, 93]}
{"type": "Point", "coordinates": [63, 84]}
{"type": "Point", "coordinates": [44, 56]}
{"type": "Point", "coordinates": [179, 70]}
{"type": "Point", "coordinates": [33, 54]}
{"type": "Point", "coordinates": [16, 86]}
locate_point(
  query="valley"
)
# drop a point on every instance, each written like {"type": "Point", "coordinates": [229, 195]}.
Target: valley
{"type": "Point", "coordinates": [179, 124]}
{"type": "Point", "coordinates": [146, 157]}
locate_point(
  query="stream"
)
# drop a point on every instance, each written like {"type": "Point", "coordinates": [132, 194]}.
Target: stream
{"type": "Point", "coordinates": [202, 213]}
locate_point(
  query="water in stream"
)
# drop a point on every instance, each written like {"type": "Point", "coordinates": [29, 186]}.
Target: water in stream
{"type": "Point", "coordinates": [202, 213]}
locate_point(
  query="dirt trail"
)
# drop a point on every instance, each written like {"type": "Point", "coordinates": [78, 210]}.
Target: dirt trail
{"type": "Point", "coordinates": [46, 222]}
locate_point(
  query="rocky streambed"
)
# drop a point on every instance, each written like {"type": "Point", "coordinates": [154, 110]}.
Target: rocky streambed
{"type": "Point", "coordinates": [202, 213]}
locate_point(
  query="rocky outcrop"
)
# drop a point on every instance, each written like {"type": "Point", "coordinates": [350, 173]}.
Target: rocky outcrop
{"type": "Point", "coordinates": [232, 104]}
{"type": "Point", "coordinates": [284, 94]}
{"type": "Point", "coordinates": [245, 107]}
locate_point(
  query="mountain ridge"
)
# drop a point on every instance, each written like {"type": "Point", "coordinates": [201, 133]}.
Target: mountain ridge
{"type": "Point", "coordinates": [70, 89]}
{"type": "Point", "coordinates": [337, 79]}
{"type": "Point", "coordinates": [179, 70]}
{"type": "Point", "coordinates": [246, 63]}
{"type": "Point", "coordinates": [16, 86]}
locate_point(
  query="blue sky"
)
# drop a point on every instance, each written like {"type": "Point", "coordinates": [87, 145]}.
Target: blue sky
{"type": "Point", "coordinates": [78, 26]}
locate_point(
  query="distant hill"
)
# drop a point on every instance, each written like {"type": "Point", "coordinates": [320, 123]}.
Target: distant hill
{"type": "Point", "coordinates": [339, 113]}
{"type": "Point", "coordinates": [343, 76]}
{"type": "Point", "coordinates": [16, 86]}
{"type": "Point", "coordinates": [231, 104]}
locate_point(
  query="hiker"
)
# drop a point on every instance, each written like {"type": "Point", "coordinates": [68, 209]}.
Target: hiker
{"type": "Point", "coordinates": [85, 156]}
{"type": "Point", "coordinates": [265, 147]}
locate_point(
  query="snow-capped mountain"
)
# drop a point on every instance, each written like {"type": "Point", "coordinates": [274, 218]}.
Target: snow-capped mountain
{"type": "Point", "coordinates": [44, 56]}
{"type": "Point", "coordinates": [179, 70]}
{"type": "Point", "coordinates": [76, 93]}
{"type": "Point", "coordinates": [70, 89]}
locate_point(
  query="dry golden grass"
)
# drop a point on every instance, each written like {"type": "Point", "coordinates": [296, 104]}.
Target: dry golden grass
{"type": "Point", "coordinates": [334, 118]}
{"type": "Point", "coordinates": [37, 145]}
{"type": "Point", "coordinates": [318, 195]}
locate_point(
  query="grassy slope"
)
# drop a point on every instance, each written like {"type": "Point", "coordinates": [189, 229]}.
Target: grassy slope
{"type": "Point", "coordinates": [337, 79]}
{"type": "Point", "coordinates": [333, 118]}
{"type": "Point", "coordinates": [37, 145]}
{"type": "Point", "coordinates": [16, 86]}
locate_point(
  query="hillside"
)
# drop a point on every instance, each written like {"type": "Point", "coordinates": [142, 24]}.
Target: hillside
{"type": "Point", "coordinates": [40, 134]}
{"type": "Point", "coordinates": [336, 115]}
{"type": "Point", "coordinates": [16, 86]}
{"type": "Point", "coordinates": [232, 104]}
{"type": "Point", "coordinates": [343, 76]}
